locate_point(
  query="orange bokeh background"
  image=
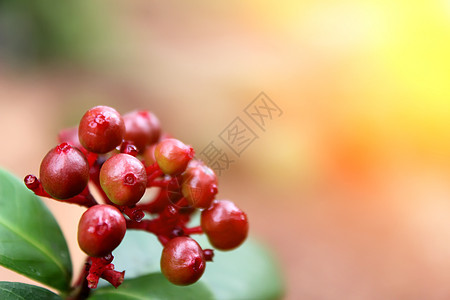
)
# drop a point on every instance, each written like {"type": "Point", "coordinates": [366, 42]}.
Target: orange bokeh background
{"type": "Point", "coordinates": [349, 186]}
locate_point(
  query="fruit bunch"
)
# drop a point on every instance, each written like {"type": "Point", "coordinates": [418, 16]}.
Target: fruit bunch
{"type": "Point", "coordinates": [121, 157]}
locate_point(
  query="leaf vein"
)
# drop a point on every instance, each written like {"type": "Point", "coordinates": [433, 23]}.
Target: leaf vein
{"type": "Point", "coordinates": [11, 292]}
{"type": "Point", "coordinates": [34, 243]}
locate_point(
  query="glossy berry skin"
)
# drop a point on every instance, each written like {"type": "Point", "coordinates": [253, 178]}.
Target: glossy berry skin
{"type": "Point", "coordinates": [199, 185]}
{"type": "Point", "coordinates": [149, 155]}
{"type": "Point", "coordinates": [64, 172]}
{"type": "Point", "coordinates": [100, 230]}
{"type": "Point", "coordinates": [225, 225]}
{"type": "Point", "coordinates": [173, 156]}
{"type": "Point", "coordinates": [101, 129]}
{"type": "Point", "coordinates": [123, 179]}
{"type": "Point", "coordinates": [142, 128]}
{"type": "Point", "coordinates": [182, 261]}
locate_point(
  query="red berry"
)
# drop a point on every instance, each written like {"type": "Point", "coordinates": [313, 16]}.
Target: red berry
{"type": "Point", "coordinates": [100, 230]}
{"type": "Point", "coordinates": [173, 156]}
{"type": "Point", "coordinates": [123, 178]}
{"type": "Point", "coordinates": [199, 185]}
{"type": "Point", "coordinates": [101, 129]}
{"type": "Point", "coordinates": [182, 261]}
{"type": "Point", "coordinates": [70, 136]}
{"type": "Point", "coordinates": [64, 172]}
{"type": "Point", "coordinates": [142, 128]}
{"type": "Point", "coordinates": [149, 155]}
{"type": "Point", "coordinates": [225, 224]}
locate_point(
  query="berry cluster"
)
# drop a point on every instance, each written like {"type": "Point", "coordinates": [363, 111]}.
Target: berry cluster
{"type": "Point", "coordinates": [123, 156]}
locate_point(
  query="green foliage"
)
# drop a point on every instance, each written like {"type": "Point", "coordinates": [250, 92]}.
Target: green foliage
{"type": "Point", "coordinates": [248, 272]}
{"type": "Point", "coordinates": [153, 286]}
{"type": "Point", "coordinates": [31, 242]}
{"type": "Point", "coordinates": [42, 31]}
{"type": "Point", "coordinates": [21, 291]}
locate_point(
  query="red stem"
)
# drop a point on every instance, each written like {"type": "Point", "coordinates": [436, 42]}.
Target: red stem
{"type": "Point", "coordinates": [85, 198]}
{"type": "Point", "coordinates": [193, 230]}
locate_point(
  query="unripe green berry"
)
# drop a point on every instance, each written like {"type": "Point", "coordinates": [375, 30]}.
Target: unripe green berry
{"type": "Point", "coordinates": [123, 179]}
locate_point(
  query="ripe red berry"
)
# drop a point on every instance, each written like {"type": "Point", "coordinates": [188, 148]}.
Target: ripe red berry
{"type": "Point", "coordinates": [101, 129]}
{"type": "Point", "coordinates": [142, 128]}
{"type": "Point", "coordinates": [100, 230]}
{"type": "Point", "coordinates": [182, 261]}
{"type": "Point", "coordinates": [173, 156]}
{"type": "Point", "coordinates": [149, 155]}
{"type": "Point", "coordinates": [70, 136]}
{"type": "Point", "coordinates": [225, 224]}
{"type": "Point", "coordinates": [123, 178]}
{"type": "Point", "coordinates": [199, 185]}
{"type": "Point", "coordinates": [64, 172]}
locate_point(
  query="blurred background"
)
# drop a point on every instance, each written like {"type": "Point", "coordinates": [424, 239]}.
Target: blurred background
{"type": "Point", "coordinates": [349, 185]}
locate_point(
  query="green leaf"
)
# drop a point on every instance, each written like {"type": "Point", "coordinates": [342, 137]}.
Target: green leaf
{"type": "Point", "coordinates": [152, 286]}
{"type": "Point", "coordinates": [22, 291]}
{"type": "Point", "coordinates": [248, 272]}
{"type": "Point", "coordinates": [31, 242]}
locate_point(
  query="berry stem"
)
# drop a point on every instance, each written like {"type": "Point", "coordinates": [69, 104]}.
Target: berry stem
{"type": "Point", "coordinates": [85, 198]}
{"type": "Point", "coordinates": [209, 254]}
{"type": "Point", "coordinates": [128, 148]}
{"type": "Point", "coordinates": [158, 183]}
{"type": "Point", "coordinates": [137, 225]}
{"type": "Point", "coordinates": [153, 172]}
{"type": "Point", "coordinates": [134, 213]}
{"type": "Point", "coordinates": [80, 289]}
{"type": "Point", "coordinates": [158, 204]}
{"type": "Point", "coordinates": [33, 183]}
{"type": "Point", "coordinates": [101, 267]}
{"type": "Point", "coordinates": [114, 277]}
{"type": "Point", "coordinates": [193, 230]}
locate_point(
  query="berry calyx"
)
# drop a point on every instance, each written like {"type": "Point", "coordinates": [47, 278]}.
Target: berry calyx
{"type": "Point", "coordinates": [64, 172]}
{"type": "Point", "coordinates": [101, 129]}
{"type": "Point", "coordinates": [123, 179]}
{"type": "Point", "coordinates": [142, 128]}
{"type": "Point", "coordinates": [199, 185]}
{"type": "Point", "coordinates": [173, 156]}
{"type": "Point", "coordinates": [182, 261]}
{"type": "Point", "coordinates": [225, 225]}
{"type": "Point", "coordinates": [100, 230]}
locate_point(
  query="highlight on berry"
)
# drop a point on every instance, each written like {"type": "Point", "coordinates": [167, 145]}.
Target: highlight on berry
{"type": "Point", "coordinates": [121, 157]}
